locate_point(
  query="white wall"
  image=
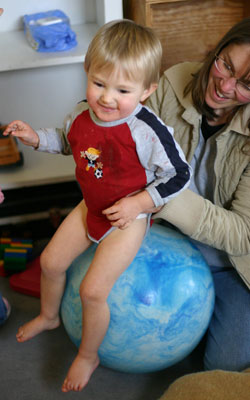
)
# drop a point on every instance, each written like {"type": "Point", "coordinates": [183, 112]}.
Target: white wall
{"type": "Point", "coordinates": [107, 10]}
{"type": "Point", "coordinates": [41, 96]}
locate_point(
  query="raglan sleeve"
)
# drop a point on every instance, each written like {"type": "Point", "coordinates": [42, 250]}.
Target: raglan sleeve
{"type": "Point", "coordinates": [167, 170]}
{"type": "Point", "coordinates": [54, 140]}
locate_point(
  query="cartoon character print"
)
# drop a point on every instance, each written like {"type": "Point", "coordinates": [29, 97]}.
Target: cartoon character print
{"type": "Point", "coordinates": [92, 155]}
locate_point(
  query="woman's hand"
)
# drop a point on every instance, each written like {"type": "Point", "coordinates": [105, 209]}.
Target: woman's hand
{"type": "Point", "coordinates": [23, 132]}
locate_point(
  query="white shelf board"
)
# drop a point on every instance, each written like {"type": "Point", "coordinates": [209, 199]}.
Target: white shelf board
{"type": "Point", "coordinates": [17, 54]}
{"type": "Point", "coordinates": [38, 169]}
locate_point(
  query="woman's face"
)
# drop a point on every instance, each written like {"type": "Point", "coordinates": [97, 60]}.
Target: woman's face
{"type": "Point", "coordinates": [222, 94]}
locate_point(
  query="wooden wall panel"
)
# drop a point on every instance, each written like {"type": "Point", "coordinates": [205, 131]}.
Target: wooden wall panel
{"type": "Point", "coordinates": [188, 29]}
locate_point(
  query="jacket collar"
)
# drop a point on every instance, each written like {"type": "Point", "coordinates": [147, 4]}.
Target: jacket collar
{"type": "Point", "coordinates": [179, 75]}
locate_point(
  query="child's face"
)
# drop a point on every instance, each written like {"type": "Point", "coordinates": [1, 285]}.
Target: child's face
{"type": "Point", "coordinates": [112, 96]}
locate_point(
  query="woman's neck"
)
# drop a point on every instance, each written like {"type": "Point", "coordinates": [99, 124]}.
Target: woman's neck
{"type": "Point", "coordinates": [223, 116]}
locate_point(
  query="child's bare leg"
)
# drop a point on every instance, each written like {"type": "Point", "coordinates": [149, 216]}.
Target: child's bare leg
{"type": "Point", "coordinates": [67, 243]}
{"type": "Point", "coordinates": [113, 256]}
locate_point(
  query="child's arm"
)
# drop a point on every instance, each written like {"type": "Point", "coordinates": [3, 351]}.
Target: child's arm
{"type": "Point", "coordinates": [23, 132]}
{"type": "Point", "coordinates": [125, 210]}
{"type": "Point", "coordinates": [167, 170]}
{"type": "Point", "coordinates": [50, 140]}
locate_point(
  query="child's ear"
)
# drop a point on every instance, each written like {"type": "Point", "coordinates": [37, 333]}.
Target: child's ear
{"type": "Point", "coordinates": [147, 92]}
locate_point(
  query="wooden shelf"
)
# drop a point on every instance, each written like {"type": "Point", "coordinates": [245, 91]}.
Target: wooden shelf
{"type": "Point", "coordinates": [16, 53]}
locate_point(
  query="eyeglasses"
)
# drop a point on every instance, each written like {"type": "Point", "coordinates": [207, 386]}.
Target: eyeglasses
{"type": "Point", "coordinates": [226, 71]}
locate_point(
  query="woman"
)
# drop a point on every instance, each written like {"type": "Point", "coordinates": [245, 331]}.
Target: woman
{"type": "Point", "coordinates": [209, 107]}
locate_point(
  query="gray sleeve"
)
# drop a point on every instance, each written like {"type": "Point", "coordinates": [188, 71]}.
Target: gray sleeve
{"type": "Point", "coordinates": [167, 171]}
{"type": "Point", "coordinates": [54, 140]}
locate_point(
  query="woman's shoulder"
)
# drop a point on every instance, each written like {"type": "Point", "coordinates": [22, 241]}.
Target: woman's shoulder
{"type": "Point", "coordinates": [173, 82]}
{"type": "Point", "coordinates": [181, 72]}
{"type": "Point", "coordinates": [169, 95]}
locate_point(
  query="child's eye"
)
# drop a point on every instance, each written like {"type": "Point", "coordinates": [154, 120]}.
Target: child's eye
{"type": "Point", "coordinates": [123, 91]}
{"type": "Point", "coordinates": [99, 84]}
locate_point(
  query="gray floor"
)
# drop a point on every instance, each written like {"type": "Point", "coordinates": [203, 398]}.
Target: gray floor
{"type": "Point", "coordinates": [35, 370]}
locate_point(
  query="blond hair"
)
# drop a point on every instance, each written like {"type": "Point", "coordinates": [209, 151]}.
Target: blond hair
{"type": "Point", "coordinates": [134, 48]}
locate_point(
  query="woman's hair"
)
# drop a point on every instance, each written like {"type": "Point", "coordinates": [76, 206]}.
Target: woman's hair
{"type": "Point", "coordinates": [134, 48]}
{"type": "Point", "coordinates": [238, 34]}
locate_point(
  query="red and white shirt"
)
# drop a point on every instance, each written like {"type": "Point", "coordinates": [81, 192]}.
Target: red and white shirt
{"type": "Point", "coordinates": [116, 159]}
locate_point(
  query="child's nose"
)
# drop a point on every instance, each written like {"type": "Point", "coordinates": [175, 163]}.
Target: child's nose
{"type": "Point", "coordinates": [107, 96]}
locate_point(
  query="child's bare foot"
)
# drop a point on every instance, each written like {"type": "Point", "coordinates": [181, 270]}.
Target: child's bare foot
{"type": "Point", "coordinates": [36, 326]}
{"type": "Point", "coordinates": [79, 373]}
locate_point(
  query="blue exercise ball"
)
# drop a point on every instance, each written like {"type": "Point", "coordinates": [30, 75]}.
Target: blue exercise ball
{"type": "Point", "coordinates": [160, 307]}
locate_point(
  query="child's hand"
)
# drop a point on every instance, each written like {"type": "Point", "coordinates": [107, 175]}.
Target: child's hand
{"type": "Point", "coordinates": [123, 212]}
{"type": "Point", "coordinates": [23, 132]}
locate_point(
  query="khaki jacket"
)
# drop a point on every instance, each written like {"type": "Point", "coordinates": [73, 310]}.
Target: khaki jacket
{"type": "Point", "coordinates": [224, 224]}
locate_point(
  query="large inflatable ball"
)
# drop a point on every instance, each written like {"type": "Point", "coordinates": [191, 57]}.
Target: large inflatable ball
{"type": "Point", "coordinates": [160, 306]}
